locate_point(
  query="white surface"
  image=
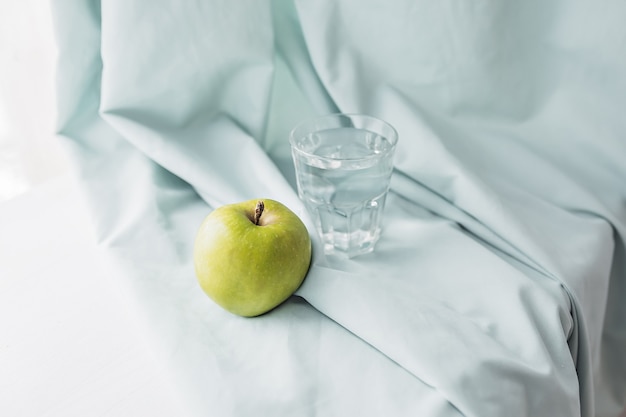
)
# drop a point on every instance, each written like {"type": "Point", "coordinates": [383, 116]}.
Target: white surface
{"type": "Point", "coordinates": [68, 343]}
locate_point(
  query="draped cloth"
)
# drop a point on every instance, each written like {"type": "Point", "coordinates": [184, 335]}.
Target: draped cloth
{"type": "Point", "coordinates": [499, 282]}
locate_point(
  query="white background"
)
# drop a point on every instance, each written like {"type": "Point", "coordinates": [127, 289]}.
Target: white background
{"type": "Point", "coordinates": [30, 153]}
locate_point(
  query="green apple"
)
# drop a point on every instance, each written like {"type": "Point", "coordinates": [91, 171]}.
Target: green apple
{"type": "Point", "coordinates": [249, 257]}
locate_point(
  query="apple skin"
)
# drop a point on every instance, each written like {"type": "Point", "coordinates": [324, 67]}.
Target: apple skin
{"type": "Point", "coordinates": [249, 269]}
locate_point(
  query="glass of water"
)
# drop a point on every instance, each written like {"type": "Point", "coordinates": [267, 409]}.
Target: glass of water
{"type": "Point", "coordinates": [343, 168]}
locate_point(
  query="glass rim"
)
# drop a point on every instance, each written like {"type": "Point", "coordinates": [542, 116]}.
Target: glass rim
{"type": "Point", "coordinates": [313, 121]}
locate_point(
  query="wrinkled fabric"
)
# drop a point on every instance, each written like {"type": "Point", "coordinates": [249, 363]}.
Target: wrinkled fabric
{"type": "Point", "coordinates": [498, 285]}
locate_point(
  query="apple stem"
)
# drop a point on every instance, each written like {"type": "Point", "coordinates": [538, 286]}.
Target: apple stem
{"type": "Point", "coordinates": [258, 211]}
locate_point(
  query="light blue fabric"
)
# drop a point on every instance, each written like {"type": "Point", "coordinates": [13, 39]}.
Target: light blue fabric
{"type": "Point", "coordinates": [498, 286]}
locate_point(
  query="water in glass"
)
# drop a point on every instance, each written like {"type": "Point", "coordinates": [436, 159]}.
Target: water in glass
{"type": "Point", "coordinates": [343, 179]}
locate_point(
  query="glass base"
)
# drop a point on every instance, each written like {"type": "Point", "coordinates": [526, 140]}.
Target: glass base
{"type": "Point", "coordinates": [350, 245]}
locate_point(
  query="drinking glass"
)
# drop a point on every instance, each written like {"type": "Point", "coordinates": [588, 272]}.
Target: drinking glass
{"type": "Point", "coordinates": [343, 168]}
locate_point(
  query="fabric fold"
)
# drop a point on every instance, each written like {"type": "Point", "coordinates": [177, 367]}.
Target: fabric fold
{"type": "Point", "coordinates": [496, 286]}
